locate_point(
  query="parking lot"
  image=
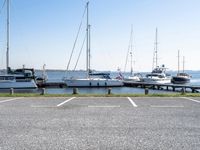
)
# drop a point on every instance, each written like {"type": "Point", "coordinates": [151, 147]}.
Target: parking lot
{"type": "Point", "coordinates": [99, 123]}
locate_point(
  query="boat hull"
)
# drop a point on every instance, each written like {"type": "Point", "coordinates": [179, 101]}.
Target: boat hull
{"type": "Point", "coordinates": [180, 80]}
{"type": "Point", "coordinates": [93, 83]}
{"type": "Point", "coordinates": [157, 80]}
{"type": "Point", "coordinates": [18, 84]}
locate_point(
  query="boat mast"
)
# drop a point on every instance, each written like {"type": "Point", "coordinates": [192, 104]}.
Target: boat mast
{"type": "Point", "coordinates": [89, 45]}
{"type": "Point", "coordinates": [8, 34]}
{"type": "Point", "coordinates": [156, 44]}
{"type": "Point", "coordinates": [178, 61]}
{"type": "Point", "coordinates": [131, 50]}
{"type": "Point", "coordinates": [87, 41]}
{"type": "Point", "coordinates": [155, 55]}
{"type": "Point", "coordinates": [183, 64]}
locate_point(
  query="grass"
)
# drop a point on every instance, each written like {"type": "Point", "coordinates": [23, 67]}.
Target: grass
{"type": "Point", "coordinates": [99, 95]}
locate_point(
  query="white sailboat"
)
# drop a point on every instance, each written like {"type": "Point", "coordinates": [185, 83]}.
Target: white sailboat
{"type": "Point", "coordinates": [22, 80]}
{"type": "Point", "coordinates": [92, 79]}
{"type": "Point", "coordinates": [158, 74]}
{"type": "Point", "coordinates": [132, 77]}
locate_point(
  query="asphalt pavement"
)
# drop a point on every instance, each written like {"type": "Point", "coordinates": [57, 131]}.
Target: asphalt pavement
{"type": "Point", "coordinates": [99, 123]}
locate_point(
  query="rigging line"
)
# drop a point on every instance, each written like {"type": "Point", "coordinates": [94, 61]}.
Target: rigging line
{"type": "Point", "coordinates": [76, 39]}
{"type": "Point", "coordinates": [129, 46]}
{"type": "Point", "coordinates": [80, 52]}
{"type": "Point", "coordinates": [2, 6]}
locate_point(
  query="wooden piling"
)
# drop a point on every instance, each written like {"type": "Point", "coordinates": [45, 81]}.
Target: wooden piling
{"type": "Point", "coordinates": [75, 90]}
{"type": "Point", "coordinates": [146, 91]}
{"type": "Point", "coordinates": [109, 91]}
{"type": "Point", "coordinates": [11, 91]}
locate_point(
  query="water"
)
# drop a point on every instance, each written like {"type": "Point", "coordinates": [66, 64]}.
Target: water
{"type": "Point", "coordinates": [57, 76]}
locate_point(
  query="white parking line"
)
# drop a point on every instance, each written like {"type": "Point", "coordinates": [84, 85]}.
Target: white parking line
{"type": "Point", "coordinates": [191, 99]}
{"type": "Point", "coordinates": [106, 106]}
{"type": "Point", "coordinates": [12, 99]}
{"type": "Point", "coordinates": [65, 101]}
{"type": "Point", "coordinates": [132, 102]}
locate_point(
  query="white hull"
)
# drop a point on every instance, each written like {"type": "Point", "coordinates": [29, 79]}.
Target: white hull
{"type": "Point", "coordinates": [7, 84]}
{"type": "Point", "coordinates": [93, 82]}
{"type": "Point", "coordinates": [157, 80]}
{"type": "Point", "coordinates": [132, 78]}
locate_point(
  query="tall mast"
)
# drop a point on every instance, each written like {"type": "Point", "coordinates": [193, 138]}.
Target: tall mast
{"type": "Point", "coordinates": [183, 64]}
{"type": "Point", "coordinates": [178, 61]}
{"type": "Point", "coordinates": [156, 47]}
{"type": "Point", "coordinates": [155, 55]}
{"type": "Point", "coordinates": [131, 50]}
{"type": "Point", "coordinates": [89, 45]}
{"type": "Point", "coordinates": [87, 41]}
{"type": "Point", "coordinates": [8, 33]}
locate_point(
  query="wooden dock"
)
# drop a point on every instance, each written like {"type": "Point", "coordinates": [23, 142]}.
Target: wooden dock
{"type": "Point", "coordinates": [168, 87]}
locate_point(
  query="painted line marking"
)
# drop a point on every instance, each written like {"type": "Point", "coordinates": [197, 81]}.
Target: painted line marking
{"type": "Point", "coordinates": [65, 101]}
{"type": "Point", "coordinates": [106, 106]}
{"type": "Point", "coordinates": [191, 99]}
{"type": "Point", "coordinates": [132, 102]}
{"type": "Point", "coordinates": [12, 99]}
{"type": "Point", "coordinates": [157, 106]}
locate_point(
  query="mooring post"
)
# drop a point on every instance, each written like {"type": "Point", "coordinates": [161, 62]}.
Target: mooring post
{"type": "Point", "coordinates": [75, 90]}
{"type": "Point", "coordinates": [109, 91]}
{"type": "Point", "coordinates": [146, 91]}
{"type": "Point", "coordinates": [11, 91]}
{"type": "Point", "coordinates": [193, 90]}
{"type": "Point", "coordinates": [183, 91]}
{"type": "Point", "coordinates": [43, 91]}
{"type": "Point", "coordinates": [173, 88]}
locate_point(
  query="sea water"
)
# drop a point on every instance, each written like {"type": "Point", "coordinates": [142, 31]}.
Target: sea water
{"type": "Point", "coordinates": [57, 76]}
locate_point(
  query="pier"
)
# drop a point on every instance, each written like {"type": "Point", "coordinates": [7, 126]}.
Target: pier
{"type": "Point", "coordinates": [168, 87]}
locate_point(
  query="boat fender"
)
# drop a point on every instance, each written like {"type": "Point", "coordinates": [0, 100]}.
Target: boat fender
{"type": "Point", "coordinates": [98, 84]}
{"type": "Point", "coordinates": [90, 84]}
{"type": "Point", "coordinates": [105, 83]}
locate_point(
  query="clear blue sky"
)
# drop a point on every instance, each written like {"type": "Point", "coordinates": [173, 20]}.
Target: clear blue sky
{"type": "Point", "coordinates": [43, 31]}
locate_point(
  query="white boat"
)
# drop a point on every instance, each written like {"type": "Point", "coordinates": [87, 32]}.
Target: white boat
{"type": "Point", "coordinates": [137, 77]}
{"type": "Point", "coordinates": [16, 81]}
{"type": "Point", "coordinates": [158, 74]}
{"type": "Point", "coordinates": [13, 81]}
{"type": "Point", "coordinates": [92, 79]}
{"type": "Point", "coordinates": [95, 80]}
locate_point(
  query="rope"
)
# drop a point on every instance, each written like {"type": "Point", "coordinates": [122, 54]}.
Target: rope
{"type": "Point", "coordinates": [2, 6]}
{"type": "Point", "coordinates": [80, 52]}
{"type": "Point", "coordinates": [76, 39]}
{"type": "Point", "coordinates": [128, 51]}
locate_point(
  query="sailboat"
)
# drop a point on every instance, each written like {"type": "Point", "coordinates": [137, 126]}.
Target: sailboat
{"type": "Point", "coordinates": [92, 79]}
{"type": "Point", "coordinates": [181, 77]}
{"type": "Point", "coordinates": [132, 77]}
{"type": "Point", "coordinates": [158, 74]}
{"type": "Point", "coordinates": [18, 79]}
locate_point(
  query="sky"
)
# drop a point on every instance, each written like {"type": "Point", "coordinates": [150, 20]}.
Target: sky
{"type": "Point", "coordinates": [44, 31]}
